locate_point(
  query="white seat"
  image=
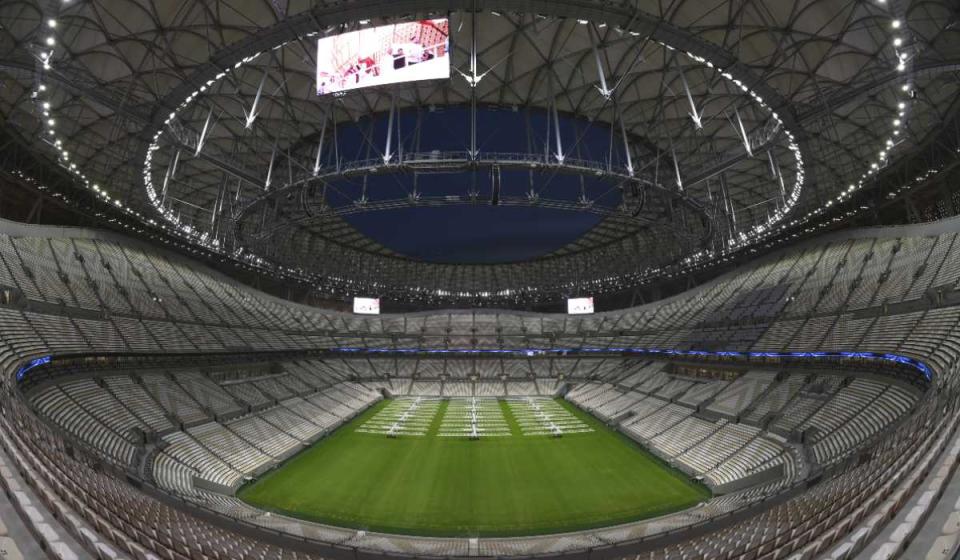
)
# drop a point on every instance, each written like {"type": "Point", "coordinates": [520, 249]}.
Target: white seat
{"type": "Point", "coordinates": [9, 550]}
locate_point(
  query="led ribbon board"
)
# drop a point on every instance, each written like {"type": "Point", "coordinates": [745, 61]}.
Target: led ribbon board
{"type": "Point", "coordinates": [33, 363]}
{"type": "Point", "coordinates": [387, 54]}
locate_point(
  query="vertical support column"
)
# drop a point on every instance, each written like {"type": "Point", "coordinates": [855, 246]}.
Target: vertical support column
{"type": "Point", "coordinates": [273, 158]}
{"type": "Point", "coordinates": [556, 129]}
{"type": "Point", "coordinates": [696, 116]}
{"type": "Point", "coordinates": [323, 133]}
{"type": "Point", "coordinates": [742, 131]}
{"type": "Point", "coordinates": [546, 139]}
{"type": "Point", "coordinates": [473, 123]}
{"type": "Point", "coordinates": [656, 167]}
{"type": "Point", "coordinates": [289, 168]}
{"type": "Point", "coordinates": [252, 115]}
{"type": "Point", "coordinates": [626, 141]}
{"type": "Point", "coordinates": [176, 162]}
{"type": "Point", "coordinates": [676, 166]}
{"type": "Point", "coordinates": [604, 91]}
{"type": "Point", "coordinates": [163, 193]}
{"type": "Point", "coordinates": [203, 133]}
{"type": "Point", "coordinates": [399, 136]}
{"type": "Point", "coordinates": [387, 154]}
{"type": "Point", "coordinates": [473, 84]}
{"type": "Point", "coordinates": [217, 204]}
{"type": "Point", "coordinates": [610, 148]}
{"type": "Point", "coordinates": [418, 127]}
{"type": "Point", "coordinates": [773, 166]}
{"type": "Point", "coordinates": [336, 146]}
{"type": "Point", "coordinates": [731, 209]}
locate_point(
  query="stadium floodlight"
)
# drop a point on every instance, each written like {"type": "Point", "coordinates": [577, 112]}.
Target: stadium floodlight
{"type": "Point", "coordinates": [366, 306]}
{"type": "Point", "coordinates": [580, 306]}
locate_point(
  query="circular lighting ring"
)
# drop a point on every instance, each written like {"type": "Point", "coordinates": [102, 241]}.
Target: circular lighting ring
{"type": "Point", "coordinates": [632, 21]}
{"type": "Point", "coordinates": [463, 161]}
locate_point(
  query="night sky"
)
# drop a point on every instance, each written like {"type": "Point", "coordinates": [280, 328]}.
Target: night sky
{"type": "Point", "coordinates": [474, 234]}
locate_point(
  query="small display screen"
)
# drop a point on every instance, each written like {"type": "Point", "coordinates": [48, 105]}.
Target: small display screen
{"type": "Point", "coordinates": [366, 306]}
{"type": "Point", "coordinates": [580, 306]}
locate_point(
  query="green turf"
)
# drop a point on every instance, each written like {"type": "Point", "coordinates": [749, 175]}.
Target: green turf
{"type": "Point", "coordinates": [516, 485]}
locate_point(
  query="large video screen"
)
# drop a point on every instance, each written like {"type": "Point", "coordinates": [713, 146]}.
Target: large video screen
{"type": "Point", "coordinates": [388, 54]}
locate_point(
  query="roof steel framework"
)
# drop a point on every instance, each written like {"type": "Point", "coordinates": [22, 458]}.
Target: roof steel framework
{"type": "Point", "coordinates": [836, 73]}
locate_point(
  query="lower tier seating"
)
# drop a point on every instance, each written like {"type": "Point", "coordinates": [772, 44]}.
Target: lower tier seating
{"type": "Point", "coordinates": [837, 413]}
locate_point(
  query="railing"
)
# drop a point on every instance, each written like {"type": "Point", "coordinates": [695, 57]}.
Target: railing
{"type": "Point", "coordinates": [465, 157]}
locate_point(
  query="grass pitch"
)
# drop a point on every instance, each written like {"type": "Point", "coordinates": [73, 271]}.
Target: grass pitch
{"type": "Point", "coordinates": [498, 486]}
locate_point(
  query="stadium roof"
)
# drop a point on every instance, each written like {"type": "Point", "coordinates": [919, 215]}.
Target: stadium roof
{"type": "Point", "coordinates": [658, 135]}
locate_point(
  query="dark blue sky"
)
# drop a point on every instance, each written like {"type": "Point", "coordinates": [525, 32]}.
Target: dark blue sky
{"type": "Point", "coordinates": [474, 234]}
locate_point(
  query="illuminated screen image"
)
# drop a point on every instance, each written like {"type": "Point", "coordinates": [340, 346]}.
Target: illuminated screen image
{"type": "Point", "coordinates": [388, 54]}
{"type": "Point", "coordinates": [580, 306]}
{"type": "Point", "coordinates": [366, 306]}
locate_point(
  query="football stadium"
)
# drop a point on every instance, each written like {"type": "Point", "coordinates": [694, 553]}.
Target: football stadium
{"type": "Point", "coordinates": [477, 279]}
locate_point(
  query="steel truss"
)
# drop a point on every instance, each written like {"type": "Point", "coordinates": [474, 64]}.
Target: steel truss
{"type": "Point", "coordinates": [714, 157]}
